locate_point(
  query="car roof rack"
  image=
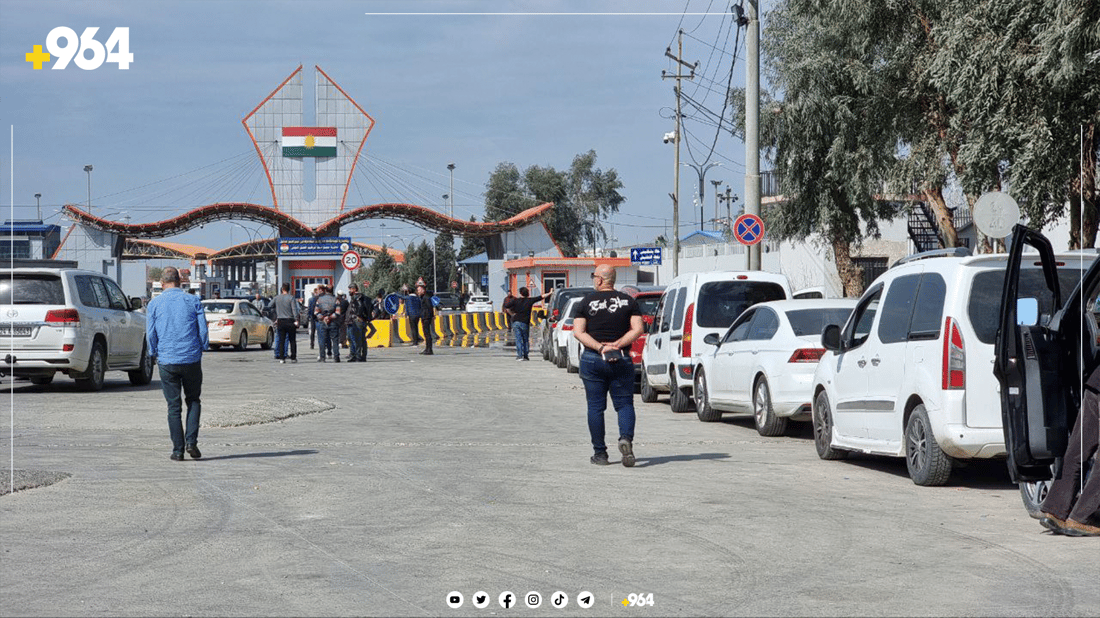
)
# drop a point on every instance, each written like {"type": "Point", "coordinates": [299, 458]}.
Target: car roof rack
{"type": "Point", "coordinates": [959, 252]}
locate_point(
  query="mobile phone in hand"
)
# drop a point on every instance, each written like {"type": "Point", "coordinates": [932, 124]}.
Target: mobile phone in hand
{"type": "Point", "coordinates": [612, 355]}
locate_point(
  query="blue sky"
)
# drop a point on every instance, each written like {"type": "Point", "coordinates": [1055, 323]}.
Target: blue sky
{"type": "Point", "coordinates": [533, 88]}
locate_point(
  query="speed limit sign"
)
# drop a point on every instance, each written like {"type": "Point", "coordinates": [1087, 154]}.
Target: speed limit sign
{"type": "Point", "coordinates": [351, 260]}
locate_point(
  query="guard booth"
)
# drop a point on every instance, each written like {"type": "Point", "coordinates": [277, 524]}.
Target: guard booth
{"type": "Point", "coordinates": [309, 261]}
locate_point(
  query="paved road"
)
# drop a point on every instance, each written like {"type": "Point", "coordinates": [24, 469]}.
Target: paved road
{"type": "Point", "coordinates": [406, 478]}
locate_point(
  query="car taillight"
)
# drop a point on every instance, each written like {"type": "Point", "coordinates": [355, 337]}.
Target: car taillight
{"type": "Point", "coordinates": [806, 355]}
{"type": "Point", "coordinates": [62, 317]}
{"type": "Point", "coordinates": [224, 323]}
{"type": "Point", "coordinates": [67, 347]}
{"type": "Point", "coordinates": [954, 356]}
{"type": "Point", "coordinates": [685, 349]}
{"type": "Point", "coordinates": [557, 312]}
{"type": "Point", "coordinates": [567, 327]}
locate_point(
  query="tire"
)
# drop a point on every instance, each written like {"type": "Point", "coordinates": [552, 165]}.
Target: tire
{"type": "Point", "coordinates": [269, 341]}
{"type": "Point", "coordinates": [215, 346]}
{"type": "Point", "coordinates": [823, 429]}
{"type": "Point", "coordinates": [562, 359]}
{"type": "Point", "coordinates": [242, 343]}
{"type": "Point", "coordinates": [1033, 495]}
{"type": "Point", "coordinates": [649, 394]}
{"type": "Point", "coordinates": [143, 375]}
{"type": "Point", "coordinates": [92, 378]}
{"type": "Point", "coordinates": [42, 380]}
{"type": "Point", "coordinates": [678, 399]}
{"type": "Point", "coordinates": [767, 423]}
{"type": "Point", "coordinates": [928, 464]}
{"type": "Point", "coordinates": [703, 410]}
{"type": "Point", "coordinates": [570, 367]}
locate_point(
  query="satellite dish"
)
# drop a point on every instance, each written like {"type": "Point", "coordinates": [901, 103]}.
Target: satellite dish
{"type": "Point", "coordinates": [995, 213]}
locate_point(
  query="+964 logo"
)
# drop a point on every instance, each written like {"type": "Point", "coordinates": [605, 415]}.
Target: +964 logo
{"type": "Point", "coordinates": [63, 47]}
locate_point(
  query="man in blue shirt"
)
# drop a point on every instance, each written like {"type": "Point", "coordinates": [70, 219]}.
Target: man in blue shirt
{"type": "Point", "coordinates": [176, 330]}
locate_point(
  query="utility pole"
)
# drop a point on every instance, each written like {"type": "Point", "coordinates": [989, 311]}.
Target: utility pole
{"type": "Point", "coordinates": [451, 169]}
{"type": "Point", "coordinates": [676, 194]}
{"type": "Point", "coordinates": [716, 196]}
{"type": "Point", "coordinates": [752, 124]}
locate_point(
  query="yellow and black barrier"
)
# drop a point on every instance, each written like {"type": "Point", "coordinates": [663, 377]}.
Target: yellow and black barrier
{"type": "Point", "coordinates": [477, 329]}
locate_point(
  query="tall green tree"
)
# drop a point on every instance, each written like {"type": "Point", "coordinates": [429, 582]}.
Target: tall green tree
{"type": "Point", "coordinates": [446, 262]}
{"type": "Point", "coordinates": [382, 274]}
{"type": "Point", "coordinates": [594, 194]}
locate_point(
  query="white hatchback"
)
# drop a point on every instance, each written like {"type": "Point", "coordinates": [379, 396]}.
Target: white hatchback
{"type": "Point", "coordinates": [75, 322]}
{"type": "Point", "coordinates": [479, 304]}
{"type": "Point", "coordinates": [764, 364]}
{"type": "Point", "coordinates": [911, 372]}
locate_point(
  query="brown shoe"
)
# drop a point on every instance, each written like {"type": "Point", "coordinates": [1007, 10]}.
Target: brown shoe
{"type": "Point", "coordinates": [1076, 528]}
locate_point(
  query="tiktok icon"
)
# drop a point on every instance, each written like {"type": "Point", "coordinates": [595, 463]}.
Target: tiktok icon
{"type": "Point", "coordinates": [559, 599]}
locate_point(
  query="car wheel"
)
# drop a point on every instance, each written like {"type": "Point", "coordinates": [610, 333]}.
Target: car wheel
{"type": "Point", "coordinates": [1033, 495]}
{"type": "Point", "coordinates": [144, 374]}
{"type": "Point", "coordinates": [823, 429]}
{"type": "Point", "coordinates": [92, 378]}
{"type": "Point", "coordinates": [215, 346]}
{"type": "Point", "coordinates": [679, 400]}
{"type": "Point", "coordinates": [767, 423]}
{"type": "Point", "coordinates": [649, 394]}
{"type": "Point", "coordinates": [928, 464]}
{"type": "Point", "coordinates": [242, 343]}
{"type": "Point", "coordinates": [562, 359]}
{"type": "Point", "coordinates": [545, 349]}
{"type": "Point", "coordinates": [42, 380]}
{"type": "Point", "coordinates": [703, 410]}
{"type": "Point", "coordinates": [266, 345]}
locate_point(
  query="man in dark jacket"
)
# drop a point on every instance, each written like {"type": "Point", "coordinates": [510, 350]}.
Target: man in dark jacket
{"type": "Point", "coordinates": [310, 308]}
{"type": "Point", "coordinates": [520, 309]}
{"type": "Point", "coordinates": [327, 313]}
{"type": "Point", "coordinates": [356, 318]}
{"type": "Point", "coordinates": [412, 310]}
{"type": "Point", "coordinates": [427, 317]}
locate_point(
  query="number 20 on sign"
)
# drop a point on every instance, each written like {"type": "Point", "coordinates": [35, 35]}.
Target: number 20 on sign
{"type": "Point", "coordinates": [84, 51]}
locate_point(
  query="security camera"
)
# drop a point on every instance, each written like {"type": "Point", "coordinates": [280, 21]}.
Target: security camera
{"type": "Point", "coordinates": [670, 137]}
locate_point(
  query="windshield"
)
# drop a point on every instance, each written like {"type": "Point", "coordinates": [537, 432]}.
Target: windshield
{"type": "Point", "coordinates": [217, 307]}
{"type": "Point", "coordinates": [648, 304]}
{"type": "Point", "coordinates": [31, 290]}
{"type": "Point", "coordinates": [720, 302]}
{"type": "Point", "coordinates": [806, 322]}
{"type": "Point", "coordinates": [985, 296]}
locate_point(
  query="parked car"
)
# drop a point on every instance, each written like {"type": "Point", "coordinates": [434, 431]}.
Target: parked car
{"type": "Point", "coordinates": [72, 321]}
{"type": "Point", "coordinates": [479, 304]}
{"type": "Point", "coordinates": [909, 375]}
{"type": "Point", "coordinates": [647, 298]}
{"type": "Point", "coordinates": [449, 301]}
{"type": "Point", "coordinates": [569, 349]}
{"type": "Point", "coordinates": [764, 363]}
{"type": "Point", "coordinates": [555, 307]}
{"type": "Point", "coordinates": [692, 307]}
{"type": "Point", "coordinates": [1048, 343]}
{"type": "Point", "coordinates": [238, 323]}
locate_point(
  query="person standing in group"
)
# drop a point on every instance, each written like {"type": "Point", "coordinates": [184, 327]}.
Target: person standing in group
{"type": "Point", "coordinates": [287, 310]}
{"type": "Point", "coordinates": [379, 306]}
{"type": "Point", "coordinates": [606, 323]}
{"type": "Point", "coordinates": [412, 310]}
{"type": "Point", "coordinates": [327, 313]}
{"type": "Point", "coordinates": [521, 320]}
{"type": "Point", "coordinates": [311, 307]}
{"type": "Point", "coordinates": [176, 332]}
{"type": "Point", "coordinates": [356, 319]}
{"type": "Point", "coordinates": [343, 336]}
{"type": "Point", "coordinates": [506, 307]}
{"type": "Point", "coordinates": [427, 317]}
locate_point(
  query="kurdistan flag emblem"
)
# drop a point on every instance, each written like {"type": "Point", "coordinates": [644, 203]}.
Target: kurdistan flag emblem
{"type": "Point", "coordinates": [309, 141]}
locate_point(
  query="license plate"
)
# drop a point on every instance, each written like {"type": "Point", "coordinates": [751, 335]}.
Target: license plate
{"type": "Point", "coordinates": [18, 331]}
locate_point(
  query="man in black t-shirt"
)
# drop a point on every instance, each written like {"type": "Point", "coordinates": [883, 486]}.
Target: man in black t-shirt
{"type": "Point", "coordinates": [521, 320]}
{"type": "Point", "coordinates": [606, 323]}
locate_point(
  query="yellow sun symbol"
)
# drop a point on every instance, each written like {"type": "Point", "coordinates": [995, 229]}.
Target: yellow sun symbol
{"type": "Point", "coordinates": [310, 142]}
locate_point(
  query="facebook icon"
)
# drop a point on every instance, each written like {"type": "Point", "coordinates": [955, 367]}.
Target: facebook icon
{"type": "Point", "coordinates": [507, 599]}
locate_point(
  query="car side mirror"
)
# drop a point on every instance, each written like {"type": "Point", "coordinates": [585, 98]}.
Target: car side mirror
{"type": "Point", "coordinates": [712, 339]}
{"type": "Point", "coordinates": [135, 303]}
{"type": "Point", "coordinates": [830, 338]}
{"type": "Point", "coordinates": [1027, 311]}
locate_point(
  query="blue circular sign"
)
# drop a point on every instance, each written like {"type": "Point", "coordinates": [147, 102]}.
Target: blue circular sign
{"type": "Point", "coordinates": [392, 304]}
{"type": "Point", "coordinates": [748, 229]}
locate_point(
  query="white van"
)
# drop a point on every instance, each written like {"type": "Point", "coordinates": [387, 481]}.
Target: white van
{"type": "Point", "coordinates": [692, 307]}
{"type": "Point", "coordinates": [911, 372]}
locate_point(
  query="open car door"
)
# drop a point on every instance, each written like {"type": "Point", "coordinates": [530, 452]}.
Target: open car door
{"type": "Point", "coordinates": [1040, 357]}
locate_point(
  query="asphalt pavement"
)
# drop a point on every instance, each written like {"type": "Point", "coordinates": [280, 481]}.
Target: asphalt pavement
{"type": "Point", "coordinates": [381, 488]}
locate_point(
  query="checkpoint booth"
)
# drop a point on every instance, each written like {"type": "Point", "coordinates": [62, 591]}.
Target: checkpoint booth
{"type": "Point", "coordinates": [305, 261]}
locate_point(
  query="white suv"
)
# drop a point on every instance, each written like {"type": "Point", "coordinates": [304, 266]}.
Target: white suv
{"type": "Point", "coordinates": [911, 372]}
{"type": "Point", "coordinates": [77, 322]}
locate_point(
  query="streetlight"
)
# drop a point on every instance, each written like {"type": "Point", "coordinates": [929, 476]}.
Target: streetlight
{"type": "Point", "coordinates": [88, 168]}
{"type": "Point", "coordinates": [716, 183]}
{"type": "Point", "coordinates": [38, 196]}
{"type": "Point", "coordinates": [451, 169]}
{"type": "Point", "coordinates": [702, 171]}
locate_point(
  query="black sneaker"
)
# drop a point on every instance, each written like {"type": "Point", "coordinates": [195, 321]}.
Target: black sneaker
{"type": "Point", "coordinates": [193, 451]}
{"type": "Point", "coordinates": [600, 459]}
{"type": "Point", "coordinates": [176, 456]}
{"type": "Point", "coordinates": [627, 449]}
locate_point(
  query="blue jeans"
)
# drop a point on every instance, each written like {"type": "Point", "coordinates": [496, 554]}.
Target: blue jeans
{"type": "Point", "coordinates": [600, 379]}
{"type": "Point", "coordinates": [357, 344]}
{"type": "Point", "coordinates": [188, 378]}
{"type": "Point", "coordinates": [286, 333]}
{"type": "Point", "coordinates": [328, 336]}
{"type": "Point", "coordinates": [522, 334]}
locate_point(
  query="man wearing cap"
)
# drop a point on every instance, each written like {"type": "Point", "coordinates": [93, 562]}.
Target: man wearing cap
{"type": "Point", "coordinates": [356, 319]}
{"type": "Point", "coordinates": [427, 317]}
{"type": "Point", "coordinates": [327, 314]}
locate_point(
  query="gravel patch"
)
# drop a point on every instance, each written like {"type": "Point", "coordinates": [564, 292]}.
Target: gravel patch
{"type": "Point", "coordinates": [28, 479]}
{"type": "Point", "coordinates": [264, 411]}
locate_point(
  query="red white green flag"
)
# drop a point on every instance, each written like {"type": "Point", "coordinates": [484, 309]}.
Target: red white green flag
{"type": "Point", "coordinates": [309, 141]}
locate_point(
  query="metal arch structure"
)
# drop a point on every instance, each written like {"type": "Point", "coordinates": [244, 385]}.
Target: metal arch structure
{"type": "Point", "coordinates": [265, 249]}
{"type": "Point", "coordinates": [139, 249]}
{"type": "Point", "coordinates": [289, 226]}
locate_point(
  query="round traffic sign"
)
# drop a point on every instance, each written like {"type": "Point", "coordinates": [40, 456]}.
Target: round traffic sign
{"type": "Point", "coordinates": [995, 213]}
{"type": "Point", "coordinates": [392, 304]}
{"type": "Point", "coordinates": [350, 260]}
{"type": "Point", "coordinates": [748, 229]}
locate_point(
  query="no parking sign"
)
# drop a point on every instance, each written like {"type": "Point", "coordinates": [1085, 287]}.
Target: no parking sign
{"type": "Point", "coordinates": [748, 229]}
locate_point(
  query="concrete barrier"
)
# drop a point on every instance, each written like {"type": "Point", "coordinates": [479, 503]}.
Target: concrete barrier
{"type": "Point", "coordinates": [403, 330]}
{"type": "Point", "coordinates": [383, 334]}
{"type": "Point", "coordinates": [443, 326]}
